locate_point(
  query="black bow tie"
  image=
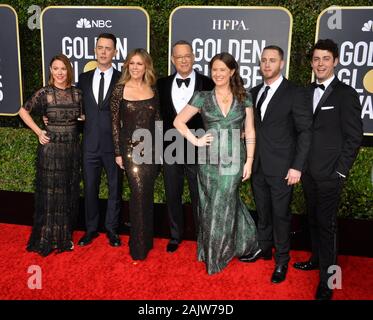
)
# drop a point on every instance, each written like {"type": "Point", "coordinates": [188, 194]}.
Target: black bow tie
{"type": "Point", "coordinates": [321, 86]}
{"type": "Point", "coordinates": [179, 81]}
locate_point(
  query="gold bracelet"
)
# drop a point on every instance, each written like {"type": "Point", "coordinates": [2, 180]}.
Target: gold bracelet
{"type": "Point", "coordinates": [250, 140]}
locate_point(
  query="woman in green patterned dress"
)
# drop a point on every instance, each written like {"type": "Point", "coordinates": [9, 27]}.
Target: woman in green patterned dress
{"type": "Point", "coordinates": [226, 227]}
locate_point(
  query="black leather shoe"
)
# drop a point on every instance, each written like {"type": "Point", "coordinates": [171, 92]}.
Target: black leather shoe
{"type": "Point", "coordinates": [87, 238]}
{"type": "Point", "coordinates": [259, 254]}
{"type": "Point", "coordinates": [114, 239]}
{"type": "Point", "coordinates": [323, 292]}
{"type": "Point", "coordinates": [306, 265]}
{"type": "Point", "coordinates": [172, 246]}
{"type": "Point", "coordinates": [279, 274]}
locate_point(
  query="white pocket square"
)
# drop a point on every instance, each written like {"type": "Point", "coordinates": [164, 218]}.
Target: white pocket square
{"type": "Point", "coordinates": [327, 108]}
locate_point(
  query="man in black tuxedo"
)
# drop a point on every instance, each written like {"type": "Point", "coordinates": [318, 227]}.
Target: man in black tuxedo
{"type": "Point", "coordinates": [175, 91]}
{"type": "Point", "coordinates": [98, 147]}
{"type": "Point", "coordinates": [283, 137]}
{"type": "Point", "coordinates": [336, 136]}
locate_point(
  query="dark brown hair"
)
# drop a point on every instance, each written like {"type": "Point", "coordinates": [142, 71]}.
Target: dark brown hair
{"type": "Point", "coordinates": [326, 44]}
{"type": "Point", "coordinates": [109, 36]}
{"type": "Point", "coordinates": [236, 82]}
{"type": "Point", "coordinates": [65, 60]}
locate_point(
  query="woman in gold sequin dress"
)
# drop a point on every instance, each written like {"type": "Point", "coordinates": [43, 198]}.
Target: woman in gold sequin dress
{"type": "Point", "coordinates": [134, 105]}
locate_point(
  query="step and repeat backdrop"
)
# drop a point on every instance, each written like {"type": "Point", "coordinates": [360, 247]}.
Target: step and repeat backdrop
{"type": "Point", "coordinates": [73, 31]}
{"type": "Point", "coordinates": [352, 29]}
{"type": "Point", "coordinates": [242, 31]}
{"type": "Point", "coordinates": [10, 65]}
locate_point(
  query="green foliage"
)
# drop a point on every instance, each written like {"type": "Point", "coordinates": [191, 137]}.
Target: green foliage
{"type": "Point", "coordinates": [17, 171]}
{"type": "Point", "coordinates": [358, 192]}
{"type": "Point", "coordinates": [18, 146]}
{"type": "Point", "coordinates": [17, 164]}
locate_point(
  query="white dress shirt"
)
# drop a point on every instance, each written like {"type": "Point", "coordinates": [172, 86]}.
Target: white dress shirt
{"type": "Point", "coordinates": [317, 94]}
{"type": "Point", "coordinates": [271, 91]}
{"type": "Point", "coordinates": [96, 81]}
{"type": "Point", "coordinates": [181, 96]}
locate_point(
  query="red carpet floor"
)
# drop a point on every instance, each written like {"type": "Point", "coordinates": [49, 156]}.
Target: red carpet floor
{"type": "Point", "coordinates": [99, 271]}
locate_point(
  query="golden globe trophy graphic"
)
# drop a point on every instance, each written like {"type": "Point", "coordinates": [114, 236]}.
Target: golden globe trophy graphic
{"type": "Point", "coordinates": [90, 66]}
{"type": "Point", "coordinates": [368, 78]}
{"type": "Point", "coordinates": [368, 81]}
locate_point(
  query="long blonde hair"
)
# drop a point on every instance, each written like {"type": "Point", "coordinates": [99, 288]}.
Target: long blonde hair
{"type": "Point", "coordinates": [149, 76]}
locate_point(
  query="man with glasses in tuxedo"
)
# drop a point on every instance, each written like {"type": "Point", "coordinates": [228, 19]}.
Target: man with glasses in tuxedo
{"type": "Point", "coordinates": [175, 91]}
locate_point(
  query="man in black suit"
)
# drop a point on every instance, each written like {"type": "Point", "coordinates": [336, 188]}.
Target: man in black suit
{"type": "Point", "coordinates": [283, 137]}
{"type": "Point", "coordinates": [175, 91]}
{"type": "Point", "coordinates": [98, 147]}
{"type": "Point", "coordinates": [336, 136]}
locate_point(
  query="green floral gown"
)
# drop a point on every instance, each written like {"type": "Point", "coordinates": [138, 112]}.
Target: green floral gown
{"type": "Point", "coordinates": [226, 228]}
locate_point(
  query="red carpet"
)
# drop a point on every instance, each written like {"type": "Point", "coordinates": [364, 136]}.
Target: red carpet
{"type": "Point", "coordinates": [99, 271]}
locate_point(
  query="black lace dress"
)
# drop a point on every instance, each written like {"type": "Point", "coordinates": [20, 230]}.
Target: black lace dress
{"type": "Point", "coordinates": [57, 170]}
{"type": "Point", "coordinates": [128, 117]}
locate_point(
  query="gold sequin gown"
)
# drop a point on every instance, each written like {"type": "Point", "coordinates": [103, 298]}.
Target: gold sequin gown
{"type": "Point", "coordinates": [128, 117]}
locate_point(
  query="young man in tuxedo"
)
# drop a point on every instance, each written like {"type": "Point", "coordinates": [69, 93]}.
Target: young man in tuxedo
{"type": "Point", "coordinates": [283, 137]}
{"type": "Point", "coordinates": [336, 136]}
{"type": "Point", "coordinates": [175, 91]}
{"type": "Point", "coordinates": [98, 147]}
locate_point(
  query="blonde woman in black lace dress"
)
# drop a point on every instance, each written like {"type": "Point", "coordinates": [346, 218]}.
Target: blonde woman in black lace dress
{"type": "Point", "coordinates": [134, 106]}
{"type": "Point", "coordinates": [58, 159]}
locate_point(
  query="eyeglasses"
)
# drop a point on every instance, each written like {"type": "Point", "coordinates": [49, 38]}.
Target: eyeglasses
{"type": "Point", "coordinates": [187, 57]}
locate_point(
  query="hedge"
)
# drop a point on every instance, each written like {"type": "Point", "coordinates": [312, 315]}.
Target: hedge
{"type": "Point", "coordinates": [17, 173]}
{"type": "Point", "coordinates": [17, 146]}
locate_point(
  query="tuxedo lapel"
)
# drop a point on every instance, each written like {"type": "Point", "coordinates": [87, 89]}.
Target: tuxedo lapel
{"type": "Point", "coordinates": [113, 81]}
{"type": "Point", "coordinates": [310, 91]}
{"type": "Point", "coordinates": [254, 93]}
{"type": "Point", "coordinates": [274, 103]}
{"type": "Point", "coordinates": [169, 93]}
{"type": "Point", "coordinates": [90, 79]}
{"type": "Point", "coordinates": [198, 84]}
{"type": "Point", "coordinates": [325, 96]}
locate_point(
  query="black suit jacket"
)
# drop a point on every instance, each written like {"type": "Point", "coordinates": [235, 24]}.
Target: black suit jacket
{"type": "Point", "coordinates": [98, 134]}
{"type": "Point", "coordinates": [167, 108]}
{"type": "Point", "coordinates": [283, 137]}
{"type": "Point", "coordinates": [337, 131]}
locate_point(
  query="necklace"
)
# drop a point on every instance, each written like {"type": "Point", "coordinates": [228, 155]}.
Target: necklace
{"type": "Point", "coordinates": [225, 98]}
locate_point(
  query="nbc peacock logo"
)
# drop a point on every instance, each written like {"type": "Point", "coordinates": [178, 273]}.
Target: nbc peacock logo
{"type": "Point", "coordinates": [368, 26]}
{"type": "Point", "coordinates": [83, 23]}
